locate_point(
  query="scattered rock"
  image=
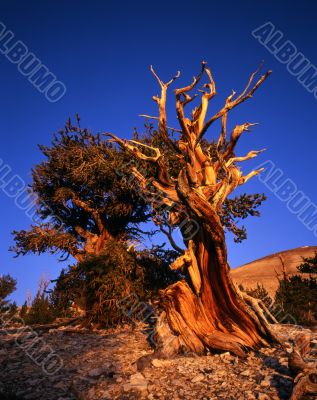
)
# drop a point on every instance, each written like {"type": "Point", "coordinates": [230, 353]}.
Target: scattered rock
{"type": "Point", "coordinates": [265, 382]}
{"type": "Point", "coordinates": [62, 385]}
{"type": "Point", "coordinates": [144, 362]}
{"type": "Point", "coordinates": [159, 363]}
{"type": "Point", "coordinates": [263, 396]}
{"type": "Point", "coordinates": [96, 372]}
{"type": "Point", "coordinates": [198, 378]}
{"type": "Point", "coordinates": [137, 383]}
{"type": "Point", "coordinates": [102, 365]}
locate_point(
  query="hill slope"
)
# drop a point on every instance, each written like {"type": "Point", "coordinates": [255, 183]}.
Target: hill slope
{"type": "Point", "coordinates": [265, 270]}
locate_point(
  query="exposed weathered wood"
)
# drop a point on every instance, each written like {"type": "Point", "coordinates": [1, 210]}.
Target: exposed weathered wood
{"type": "Point", "coordinates": [305, 374]}
{"type": "Point", "coordinates": [260, 311]}
{"type": "Point", "coordinates": [304, 384]}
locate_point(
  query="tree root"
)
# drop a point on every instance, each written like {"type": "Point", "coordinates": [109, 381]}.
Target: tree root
{"type": "Point", "coordinates": [260, 310]}
{"type": "Point", "coordinates": [168, 344]}
{"type": "Point", "coordinates": [305, 374]}
{"type": "Point", "coordinates": [304, 384]}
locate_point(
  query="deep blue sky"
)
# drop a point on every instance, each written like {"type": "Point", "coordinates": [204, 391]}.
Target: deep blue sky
{"type": "Point", "coordinates": [102, 50]}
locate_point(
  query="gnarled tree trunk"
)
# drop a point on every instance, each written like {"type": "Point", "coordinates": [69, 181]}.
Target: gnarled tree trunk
{"type": "Point", "coordinates": [207, 312]}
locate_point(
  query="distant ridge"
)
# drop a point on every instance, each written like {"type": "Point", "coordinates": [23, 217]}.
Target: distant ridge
{"type": "Point", "coordinates": [265, 269]}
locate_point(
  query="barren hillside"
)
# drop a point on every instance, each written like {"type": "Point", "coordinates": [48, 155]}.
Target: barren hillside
{"type": "Point", "coordinates": [265, 270]}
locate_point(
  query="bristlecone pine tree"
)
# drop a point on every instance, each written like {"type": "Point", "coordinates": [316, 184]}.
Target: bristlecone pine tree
{"type": "Point", "coordinates": [83, 197]}
{"type": "Point", "coordinates": [207, 311]}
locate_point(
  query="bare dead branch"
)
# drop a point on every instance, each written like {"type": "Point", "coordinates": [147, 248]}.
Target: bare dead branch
{"type": "Point", "coordinates": [168, 234]}
{"type": "Point", "coordinates": [234, 137]}
{"type": "Point", "coordinates": [180, 103]}
{"type": "Point", "coordinates": [161, 101]}
{"type": "Point", "coordinates": [230, 104]}
{"type": "Point", "coordinates": [245, 178]}
{"type": "Point", "coordinates": [223, 133]}
{"type": "Point", "coordinates": [95, 214]}
{"type": "Point", "coordinates": [206, 97]}
{"type": "Point", "coordinates": [161, 83]}
{"type": "Point", "coordinates": [157, 118]}
{"type": "Point", "coordinates": [134, 149]}
{"type": "Point", "coordinates": [251, 79]}
{"type": "Point", "coordinates": [194, 83]}
{"type": "Point", "coordinates": [249, 156]}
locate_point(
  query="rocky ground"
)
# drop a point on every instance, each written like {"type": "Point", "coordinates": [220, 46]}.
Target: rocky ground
{"type": "Point", "coordinates": [102, 365]}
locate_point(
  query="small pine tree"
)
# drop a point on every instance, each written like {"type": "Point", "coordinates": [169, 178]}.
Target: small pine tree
{"type": "Point", "coordinates": [40, 311]}
{"type": "Point", "coordinates": [24, 311]}
{"type": "Point", "coordinates": [309, 265]}
{"type": "Point", "coordinates": [7, 286]}
{"type": "Point", "coordinates": [295, 300]}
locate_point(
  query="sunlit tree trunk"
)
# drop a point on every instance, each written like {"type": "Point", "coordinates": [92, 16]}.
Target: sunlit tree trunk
{"type": "Point", "coordinates": [207, 312]}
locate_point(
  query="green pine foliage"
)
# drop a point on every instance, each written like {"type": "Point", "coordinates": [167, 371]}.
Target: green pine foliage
{"type": "Point", "coordinates": [296, 300]}
{"type": "Point", "coordinates": [23, 311]}
{"type": "Point", "coordinates": [106, 286]}
{"type": "Point", "coordinates": [7, 286]}
{"type": "Point", "coordinates": [83, 197]}
{"type": "Point", "coordinates": [309, 265]}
